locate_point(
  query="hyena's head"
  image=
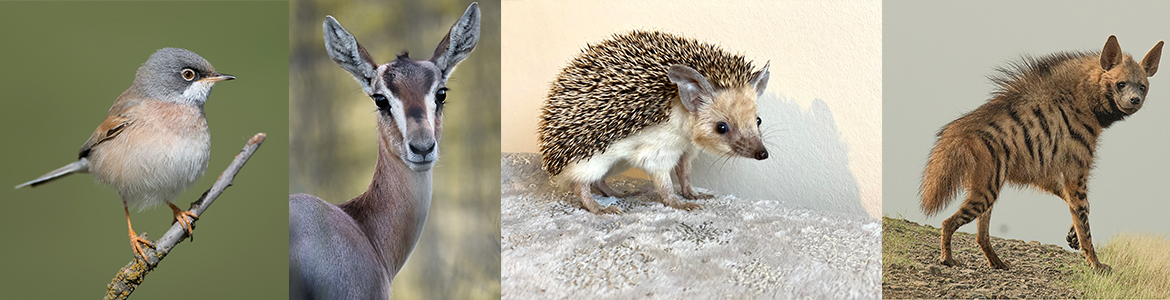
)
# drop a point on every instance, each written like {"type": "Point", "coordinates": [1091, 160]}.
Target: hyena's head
{"type": "Point", "coordinates": [723, 120]}
{"type": "Point", "coordinates": [1125, 82]}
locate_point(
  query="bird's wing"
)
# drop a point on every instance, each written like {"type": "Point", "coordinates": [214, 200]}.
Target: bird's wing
{"type": "Point", "coordinates": [109, 129]}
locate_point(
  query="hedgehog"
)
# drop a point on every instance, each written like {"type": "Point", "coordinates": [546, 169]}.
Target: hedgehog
{"type": "Point", "coordinates": [649, 100]}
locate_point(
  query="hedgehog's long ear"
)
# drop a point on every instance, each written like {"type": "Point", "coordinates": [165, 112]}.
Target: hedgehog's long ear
{"type": "Point", "coordinates": [1150, 62]}
{"type": "Point", "coordinates": [344, 49]}
{"type": "Point", "coordinates": [693, 88]}
{"type": "Point", "coordinates": [1111, 54]}
{"type": "Point", "coordinates": [760, 80]}
{"type": "Point", "coordinates": [459, 42]}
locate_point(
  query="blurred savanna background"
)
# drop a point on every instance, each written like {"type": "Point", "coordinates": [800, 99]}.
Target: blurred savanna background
{"type": "Point", "coordinates": [333, 149]}
{"type": "Point", "coordinates": [64, 65]}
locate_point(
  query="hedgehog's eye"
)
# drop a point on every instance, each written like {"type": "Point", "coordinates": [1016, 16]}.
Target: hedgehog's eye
{"type": "Point", "coordinates": [381, 101]}
{"type": "Point", "coordinates": [759, 122]}
{"type": "Point", "coordinates": [1120, 85]}
{"type": "Point", "coordinates": [721, 128]}
{"type": "Point", "coordinates": [441, 96]}
{"type": "Point", "coordinates": [188, 74]}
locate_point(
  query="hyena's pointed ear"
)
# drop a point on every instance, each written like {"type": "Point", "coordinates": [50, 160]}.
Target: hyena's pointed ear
{"type": "Point", "coordinates": [459, 42]}
{"type": "Point", "coordinates": [344, 49]}
{"type": "Point", "coordinates": [693, 88]}
{"type": "Point", "coordinates": [1150, 62]}
{"type": "Point", "coordinates": [760, 80]}
{"type": "Point", "coordinates": [1111, 55]}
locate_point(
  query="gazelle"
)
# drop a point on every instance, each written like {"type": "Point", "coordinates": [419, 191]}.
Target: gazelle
{"type": "Point", "coordinates": [354, 250]}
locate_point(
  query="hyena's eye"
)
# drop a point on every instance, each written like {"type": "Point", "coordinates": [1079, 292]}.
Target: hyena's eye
{"type": "Point", "coordinates": [1120, 85]}
{"type": "Point", "coordinates": [1142, 88]}
{"type": "Point", "coordinates": [721, 128]}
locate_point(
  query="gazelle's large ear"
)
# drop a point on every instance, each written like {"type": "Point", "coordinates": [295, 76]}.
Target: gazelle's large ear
{"type": "Point", "coordinates": [459, 42]}
{"type": "Point", "coordinates": [1111, 54]}
{"type": "Point", "coordinates": [693, 88]}
{"type": "Point", "coordinates": [760, 80]}
{"type": "Point", "coordinates": [344, 49]}
{"type": "Point", "coordinates": [1150, 62]}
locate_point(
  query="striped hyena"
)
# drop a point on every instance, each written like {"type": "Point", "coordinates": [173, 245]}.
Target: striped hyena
{"type": "Point", "coordinates": [1039, 129]}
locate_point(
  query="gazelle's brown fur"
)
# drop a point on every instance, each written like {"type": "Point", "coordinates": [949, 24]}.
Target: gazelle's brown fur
{"type": "Point", "coordinates": [1040, 129]}
{"type": "Point", "coordinates": [354, 250]}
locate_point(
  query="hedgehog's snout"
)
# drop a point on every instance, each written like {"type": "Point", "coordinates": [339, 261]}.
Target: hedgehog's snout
{"type": "Point", "coordinates": [762, 154]}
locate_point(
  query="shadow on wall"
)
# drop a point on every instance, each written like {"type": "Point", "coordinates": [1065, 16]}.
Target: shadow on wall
{"type": "Point", "coordinates": [808, 161]}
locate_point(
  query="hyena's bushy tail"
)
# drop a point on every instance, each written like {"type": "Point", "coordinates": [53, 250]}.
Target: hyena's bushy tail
{"type": "Point", "coordinates": [948, 165]}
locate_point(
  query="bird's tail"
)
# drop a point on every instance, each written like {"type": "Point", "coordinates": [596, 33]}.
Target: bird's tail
{"type": "Point", "coordinates": [943, 176]}
{"type": "Point", "coordinates": [81, 165]}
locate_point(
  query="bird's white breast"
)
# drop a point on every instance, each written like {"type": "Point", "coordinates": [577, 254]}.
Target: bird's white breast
{"type": "Point", "coordinates": [164, 151]}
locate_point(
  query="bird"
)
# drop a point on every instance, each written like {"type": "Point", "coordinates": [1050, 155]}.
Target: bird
{"type": "Point", "coordinates": [155, 142]}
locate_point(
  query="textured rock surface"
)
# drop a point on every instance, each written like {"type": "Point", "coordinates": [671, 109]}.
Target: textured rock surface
{"type": "Point", "coordinates": [732, 248]}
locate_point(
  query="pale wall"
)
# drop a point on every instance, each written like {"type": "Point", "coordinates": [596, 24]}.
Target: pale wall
{"type": "Point", "coordinates": [825, 65]}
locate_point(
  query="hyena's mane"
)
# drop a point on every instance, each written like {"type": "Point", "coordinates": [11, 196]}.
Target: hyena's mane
{"type": "Point", "coordinates": [1015, 75]}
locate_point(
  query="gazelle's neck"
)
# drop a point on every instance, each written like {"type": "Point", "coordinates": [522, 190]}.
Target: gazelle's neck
{"type": "Point", "coordinates": [393, 209]}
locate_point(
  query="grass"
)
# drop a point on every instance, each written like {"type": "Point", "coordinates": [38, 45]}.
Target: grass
{"type": "Point", "coordinates": [1141, 269]}
{"type": "Point", "coordinates": [898, 237]}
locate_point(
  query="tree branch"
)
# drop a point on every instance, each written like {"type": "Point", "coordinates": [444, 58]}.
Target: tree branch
{"type": "Point", "coordinates": [130, 276]}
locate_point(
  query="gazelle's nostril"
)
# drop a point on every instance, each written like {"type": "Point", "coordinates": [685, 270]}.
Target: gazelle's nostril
{"type": "Point", "coordinates": [422, 149]}
{"type": "Point", "coordinates": [1135, 100]}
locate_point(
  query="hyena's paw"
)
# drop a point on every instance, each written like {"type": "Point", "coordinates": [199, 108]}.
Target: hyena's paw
{"type": "Point", "coordinates": [998, 264]}
{"type": "Point", "coordinates": [1073, 242]}
{"type": "Point", "coordinates": [950, 262]}
{"type": "Point", "coordinates": [1101, 267]}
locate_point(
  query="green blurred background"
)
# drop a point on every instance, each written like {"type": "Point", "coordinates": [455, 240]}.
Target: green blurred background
{"type": "Point", "coordinates": [64, 64]}
{"type": "Point", "coordinates": [332, 150]}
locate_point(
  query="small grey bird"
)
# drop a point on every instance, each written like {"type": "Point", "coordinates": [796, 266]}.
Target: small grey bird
{"type": "Point", "coordinates": [155, 142]}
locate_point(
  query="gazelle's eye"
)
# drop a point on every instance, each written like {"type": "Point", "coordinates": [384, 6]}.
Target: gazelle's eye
{"type": "Point", "coordinates": [441, 96]}
{"type": "Point", "coordinates": [188, 74]}
{"type": "Point", "coordinates": [381, 101]}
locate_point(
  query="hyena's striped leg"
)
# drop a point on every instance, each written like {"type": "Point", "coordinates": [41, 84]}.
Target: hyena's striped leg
{"type": "Point", "coordinates": [1076, 194]}
{"type": "Point", "coordinates": [976, 204]}
{"type": "Point", "coordinates": [984, 241]}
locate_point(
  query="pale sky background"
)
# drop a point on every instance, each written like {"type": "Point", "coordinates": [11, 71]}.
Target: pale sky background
{"type": "Point", "coordinates": [821, 112]}
{"type": "Point", "coordinates": [936, 62]}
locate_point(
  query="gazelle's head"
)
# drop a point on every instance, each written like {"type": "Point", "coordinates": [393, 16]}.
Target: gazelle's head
{"type": "Point", "coordinates": [409, 93]}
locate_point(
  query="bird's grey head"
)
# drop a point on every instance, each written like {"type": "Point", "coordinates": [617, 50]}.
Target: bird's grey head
{"type": "Point", "coordinates": [177, 75]}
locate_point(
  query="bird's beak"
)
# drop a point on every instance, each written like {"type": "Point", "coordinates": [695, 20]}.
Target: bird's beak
{"type": "Point", "coordinates": [219, 77]}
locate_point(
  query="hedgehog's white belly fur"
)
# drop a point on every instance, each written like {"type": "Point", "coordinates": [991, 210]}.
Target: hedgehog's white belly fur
{"type": "Point", "coordinates": [654, 149]}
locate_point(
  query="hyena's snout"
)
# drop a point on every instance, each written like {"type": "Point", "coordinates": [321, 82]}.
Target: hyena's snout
{"type": "Point", "coordinates": [1135, 100]}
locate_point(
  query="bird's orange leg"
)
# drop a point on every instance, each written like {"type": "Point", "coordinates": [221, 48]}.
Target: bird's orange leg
{"type": "Point", "coordinates": [136, 241]}
{"type": "Point", "coordinates": [186, 218]}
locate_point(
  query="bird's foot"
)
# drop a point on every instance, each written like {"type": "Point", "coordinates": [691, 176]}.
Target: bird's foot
{"type": "Point", "coordinates": [185, 218]}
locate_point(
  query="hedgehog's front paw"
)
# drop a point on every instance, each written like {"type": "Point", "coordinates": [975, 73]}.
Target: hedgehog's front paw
{"type": "Point", "coordinates": [612, 209]}
{"type": "Point", "coordinates": [693, 195]}
{"type": "Point", "coordinates": [678, 204]}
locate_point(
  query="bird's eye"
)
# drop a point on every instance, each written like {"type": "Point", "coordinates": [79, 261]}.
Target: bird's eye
{"type": "Point", "coordinates": [188, 74]}
{"type": "Point", "coordinates": [381, 101]}
{"type": "Point", "coordinates": [721, 128]}
{"type": "Point", "coordinates": [441, 96]}
{"type": "Point", "coordinates": [759, 122]}
{"type": "Point", "coordinates": [1120, 85]}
